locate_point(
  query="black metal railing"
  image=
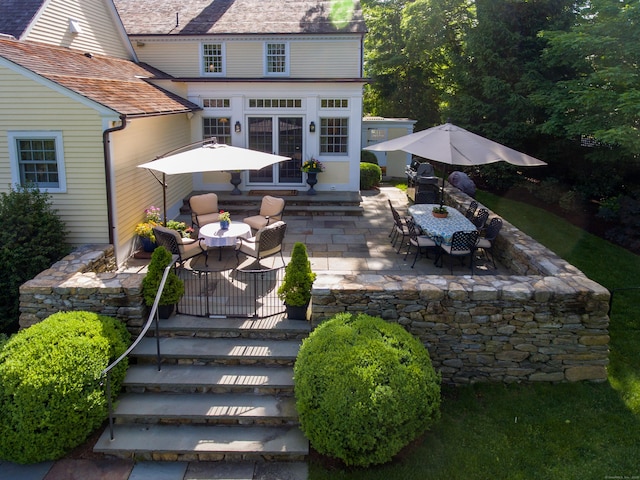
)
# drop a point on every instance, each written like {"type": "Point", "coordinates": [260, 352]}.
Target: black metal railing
{"type": "Point", "coordinates": [153, 315]}
{"type": "Point", "coordinates": [246, 293]}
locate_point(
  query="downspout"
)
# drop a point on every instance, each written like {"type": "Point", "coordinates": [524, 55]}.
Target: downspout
{"type": "Point", "coordinates": [107, 172]}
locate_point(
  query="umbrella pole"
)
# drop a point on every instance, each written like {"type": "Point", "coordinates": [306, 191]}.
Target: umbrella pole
{"type": "Point", "coordinates": [164, 198]}
{"type": "Point", "coordinates": [444, 172]}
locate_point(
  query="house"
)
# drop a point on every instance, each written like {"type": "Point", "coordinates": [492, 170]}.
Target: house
{"type": "Point", "coordinates": [93, 88]}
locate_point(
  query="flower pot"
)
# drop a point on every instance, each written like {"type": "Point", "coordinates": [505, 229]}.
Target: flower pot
{"type": "Point", "coordinates": [235, 181]}
{"type": "Point", "coordinates": [312, 179]}
{"type": "Point", "coordinates": [295, 312]}
{"type": "Point", "coordinates": [224, 224]}
{"type": "Point", "coordinates": [165, 311]}
{"type": "Point", "coordinates": [147, 244]}
{"type": "Point", "coordinates": [440, 215]}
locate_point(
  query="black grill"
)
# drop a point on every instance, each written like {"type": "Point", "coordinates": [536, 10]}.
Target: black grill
{"type": "Point", "coordinates": [422, 184]}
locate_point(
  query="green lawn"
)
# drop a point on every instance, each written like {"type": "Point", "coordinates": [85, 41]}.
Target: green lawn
{"type": "Point", "coordinates": [542, 431]}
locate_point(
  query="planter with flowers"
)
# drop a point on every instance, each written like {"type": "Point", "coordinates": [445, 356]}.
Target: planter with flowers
{"type": "Point", "coordinates": [440, 212]}
{"type": "Point", "coordinates": [312, 167]}
{"type": "Point", "coordinates": [144, 230]}
{"type": "Point", "coordinates": [225, 219]}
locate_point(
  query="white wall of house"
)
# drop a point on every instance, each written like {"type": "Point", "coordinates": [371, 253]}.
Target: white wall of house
{"type": "Point", "coordinates": [35, 106]}
{"type": "Point", "coordinates": [87, 25]}
{"type": "Point", "coordinates": [143, 140]}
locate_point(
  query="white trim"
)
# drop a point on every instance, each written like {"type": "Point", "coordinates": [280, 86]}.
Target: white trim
{"type": "Point", "coordinates": [56, 135]}
{"type": "Point", "coordinates": [287, 58]}
{"type": "Point", "coordinates": [223, 52]}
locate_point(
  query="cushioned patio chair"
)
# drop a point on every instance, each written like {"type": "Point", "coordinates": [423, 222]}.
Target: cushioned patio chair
{"type": "Point", "coordinates": [463, 244]}
{"type": "Point", "coordinates": [271, 210]}
{"type": "Point", "coordinates": [491, 232]}
{"type": "Point", "coordinates": [204, 209]}
{"type": "Point", "coordinates": [267, 241]}
{"type": "Point", "coordinates": [421, 242]}
{"type": "Point", "coordinates": [185, 248]}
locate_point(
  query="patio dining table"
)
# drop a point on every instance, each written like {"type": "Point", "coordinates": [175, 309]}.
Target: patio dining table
{"type": "Point", "coordinates": [441, 230]}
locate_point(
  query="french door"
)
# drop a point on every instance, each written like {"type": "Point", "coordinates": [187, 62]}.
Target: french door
{"type": "Point", "coordinates": [282, 136]}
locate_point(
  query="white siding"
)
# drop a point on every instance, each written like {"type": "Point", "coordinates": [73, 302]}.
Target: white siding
{"type": "Point", "coordinates": [178, 58]}
{"type": "Point", "coordinates": [325, 59]}
{"type": "Point", "coordinates": [142, 141]}
{"type": "Point", "coordinates": [31, 106]}
{"type": "Point", "coordinates": [99, 35]}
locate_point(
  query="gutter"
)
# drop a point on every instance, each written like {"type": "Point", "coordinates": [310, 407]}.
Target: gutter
{"type": "Point", "coordinates": [107, 172]}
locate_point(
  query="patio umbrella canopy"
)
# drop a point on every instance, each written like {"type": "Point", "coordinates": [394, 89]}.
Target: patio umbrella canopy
{"type": "Point", "coordinates": [209, 157]}
{"type": "Point", "coordinates": [454, 145]}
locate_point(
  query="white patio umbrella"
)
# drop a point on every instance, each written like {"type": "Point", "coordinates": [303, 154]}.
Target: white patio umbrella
{"type": "Point", "coordinates": [209, 157]}
{"type": "Point", "coordinates": [454, 145]}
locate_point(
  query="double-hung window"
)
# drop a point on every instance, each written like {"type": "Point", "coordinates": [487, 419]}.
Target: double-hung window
{"type": "Point", "coordinates": [213, 59]}
{"type": "Point", "coordinates": [277, 58]}
{"type": "Point", "coordinates": [219, 127]}
{"type": "Point", "coordinates": [37, 159]}
{"type": "Point", "coordinates": [334, 135]}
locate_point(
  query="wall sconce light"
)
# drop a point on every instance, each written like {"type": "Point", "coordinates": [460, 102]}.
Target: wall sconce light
{"type": "Point", "coordinates": [238, 127]}
{"type": "Point", "coordinates": [312, 127]}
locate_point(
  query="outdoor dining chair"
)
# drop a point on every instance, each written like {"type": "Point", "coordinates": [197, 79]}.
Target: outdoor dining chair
{"type": "Point", "coordinates": [419, 241]}
{"type": "Point", "coordinates": [271, 210]}
{"type": "Point", "coordinates": [463, 244]}
{"type": "Point", "coordinates": [399, 229]}
{"type": "Point", "coordinates": [471, 210]}
{"type": "Point", "coordinates": [267, 242]}
{"type": "Point", "coordinates": [480, 218]}
{"type": "Point", "coordinates": [491, 232]}
{"type": "Point", "coordinates": [204, 209]}
{"type": "Point", "coordinates": [185, 248]}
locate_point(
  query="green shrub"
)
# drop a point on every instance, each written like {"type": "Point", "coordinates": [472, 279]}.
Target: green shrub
{"type": "Point", "coordinates": [370, 176]}
{"type": "Point", "coordinates": [364, 388]}
{"type": "Point", "coordinates": [174, 286]}
{"type": "Point", "coordinates": [295, 289]}
{"type": "Point", "coordinates": [32, 238]}
{"type": "Point", "coordinates": [51, 396]}
{"type": "Point", "coordinates": [368, 156]}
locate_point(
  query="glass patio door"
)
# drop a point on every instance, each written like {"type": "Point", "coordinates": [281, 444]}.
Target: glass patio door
{"type": "Point", "coordinates": [288, 136]}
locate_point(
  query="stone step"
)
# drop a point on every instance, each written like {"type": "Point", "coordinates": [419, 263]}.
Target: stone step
{"type": "Point", "coordinates": [240, 409]}
{"type": "Point", "coordinates": [210, 378]}
{"type": "Point", "coordinates": [204, 442]}
{"type": "Point", "coordinates": [270, 327]}
{"type": "Point", "coordinates": [218, 350]}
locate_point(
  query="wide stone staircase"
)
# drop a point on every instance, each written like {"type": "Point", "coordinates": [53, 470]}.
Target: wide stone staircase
{"type": "Point", "coordinates": [224, 392]}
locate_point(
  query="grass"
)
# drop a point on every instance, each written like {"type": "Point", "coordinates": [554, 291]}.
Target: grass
{"type": "Point", "coordinates": [542, 431]}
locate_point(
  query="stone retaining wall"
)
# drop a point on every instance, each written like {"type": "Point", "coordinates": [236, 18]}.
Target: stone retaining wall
{"type": "Point", "coordinates": [547, 322]}
{"type": "Point", "coordinates": [86, 280]}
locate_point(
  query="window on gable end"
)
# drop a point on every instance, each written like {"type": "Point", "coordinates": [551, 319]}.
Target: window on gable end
{"type": "Point", "coordinates": [213, 59]}
{"type": "Point", "coordinates": [276, 59]}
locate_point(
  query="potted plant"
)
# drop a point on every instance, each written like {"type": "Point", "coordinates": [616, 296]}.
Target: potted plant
{"type": "Point", "coordinates": [180, 227]}
{"type": "Point", "coordinates": [440, 211]}
{"type": "Point", "coordinates": [173, 288]}
{"type": "Point", "coordinates": [225, 219]}
{"type": "Point", "coordinates": [144, 230]}
{"type": "Point", "coordinates": [312, 167]}
{"type": "Point", "coordinates": [295, 290]}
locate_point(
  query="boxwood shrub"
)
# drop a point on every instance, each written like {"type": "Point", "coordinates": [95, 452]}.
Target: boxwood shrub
{"type": "Point", "coordinates": [364, 389]}
{"type": "Point", "coordinates": [51, 396]}
{"type": "Point", "coordinates": [370, 175]}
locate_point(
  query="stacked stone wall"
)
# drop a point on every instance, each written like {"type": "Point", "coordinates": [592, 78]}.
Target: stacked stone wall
{"type": "Point", "coordinates": [546, 322]}
{"type": "Point", "coordinates": [87, 279]}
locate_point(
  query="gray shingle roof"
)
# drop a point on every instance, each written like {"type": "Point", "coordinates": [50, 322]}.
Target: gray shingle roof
{"type": "Point", "coordinates": [115, 83]}
{"type": "Point", "coordinates": [197, 17]}
{"type": "Point", "coordinates": [16, 15]}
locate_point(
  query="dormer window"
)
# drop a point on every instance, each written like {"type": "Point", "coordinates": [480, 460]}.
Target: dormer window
{"type": "Point", "coordinates": [276, 59]}
{"type": "Point", "coordinates": [213, 58]}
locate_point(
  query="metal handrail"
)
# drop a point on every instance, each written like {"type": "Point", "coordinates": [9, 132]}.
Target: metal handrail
{"type": "Point", "coordinates": [153, 315]}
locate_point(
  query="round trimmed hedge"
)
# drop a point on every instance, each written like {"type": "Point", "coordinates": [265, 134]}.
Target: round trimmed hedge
{"type": "Point", "coordinates": [364, 389]}
{"type": "Point", "coordinates": [51, 396]}
{"type": "Point", "coordinates": [370, 175]}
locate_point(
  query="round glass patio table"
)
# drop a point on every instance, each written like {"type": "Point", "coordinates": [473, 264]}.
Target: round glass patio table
{"type": "Point", "coordinates": [215, 236]}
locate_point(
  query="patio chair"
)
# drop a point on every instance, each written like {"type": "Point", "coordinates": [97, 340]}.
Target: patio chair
{"type": "Point", "coordinates": [185, 248]}
{"type": "Point", "coordinates": [267, 242]}
{"type": "Point", "coordinates": [271, 210]}
{"type": "Point", "coordinates": [471, 210]}
{"type": "Point", "coordinates": [418, 241]}
{"type": "Point", "coordinates": [480, 218]}
{"type": "Point", "coordinates": [204, 209]}
{"type": "Point", "coordinates": [463, 244]}
{"type": "Point", "coordinates": [486, 243]}
{"type": "Point", "coordinates": [399, 228]}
